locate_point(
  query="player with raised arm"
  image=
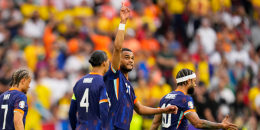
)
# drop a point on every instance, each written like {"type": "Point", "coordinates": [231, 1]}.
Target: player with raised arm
{"type": "Point", "coordinates": [89, 105]}
{"type": "Point", "coordinates": [13, 103]}
{"type": "Point", "coordinates": [120, 90]}
{"type": "Point", "coordinates": [186, 81]}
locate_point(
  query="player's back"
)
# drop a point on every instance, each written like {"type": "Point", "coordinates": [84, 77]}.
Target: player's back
{"type": "Point", "coordinates": [184, 104]}
{"type": "Point", "coordinates": [12, 101]}
{"type": "Point", "coordinates": [87, 92]}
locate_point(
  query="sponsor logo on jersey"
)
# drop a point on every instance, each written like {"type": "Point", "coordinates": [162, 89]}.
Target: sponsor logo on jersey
{"type": "Point", "coordinates": [87, 80]}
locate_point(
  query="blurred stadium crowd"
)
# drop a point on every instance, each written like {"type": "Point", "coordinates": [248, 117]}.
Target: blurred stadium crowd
{"type": "Point", "coordinates": [218, 39]}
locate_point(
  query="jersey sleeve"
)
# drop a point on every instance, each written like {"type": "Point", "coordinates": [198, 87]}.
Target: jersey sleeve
{"type": "Point", "coordinates": [73, 110]}
{"type": "Point", "coordinates": [188, 105]}
{"type": "Point", "coordinates": [20, 104]}
{"type": "Point", "coordinates": [104, 104]}
{"type": "Point", "coordinates": [111, 73]}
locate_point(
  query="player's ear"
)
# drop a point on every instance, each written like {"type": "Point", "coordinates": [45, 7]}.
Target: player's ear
{"type": "Point", "coordinates": [22, 81]}
{"type": "Point", "coordinates": [103, 64]}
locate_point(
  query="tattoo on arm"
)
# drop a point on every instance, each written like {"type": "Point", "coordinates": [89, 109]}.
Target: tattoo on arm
{"type": "Point", "coordinates": [209, 124]}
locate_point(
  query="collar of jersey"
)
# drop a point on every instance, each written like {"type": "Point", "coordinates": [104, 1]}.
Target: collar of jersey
{"type": "Point", "coordinates": [95, 73]}
{"type": "Point", "coordinates": [181, 91]}
{"type": "Point", "coordinates": [13, 88]}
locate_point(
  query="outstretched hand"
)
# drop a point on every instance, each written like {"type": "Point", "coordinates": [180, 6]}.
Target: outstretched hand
{"type": "Point", "coordinates": [172, 109]}
{"type": "Point", "coordinates": [227, 125]}
{"type": "Point", "coordinates": [124, 13]}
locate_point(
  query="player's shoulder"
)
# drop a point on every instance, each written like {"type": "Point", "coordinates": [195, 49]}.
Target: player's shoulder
{"type": "Point", "coordinates": [14, 94]}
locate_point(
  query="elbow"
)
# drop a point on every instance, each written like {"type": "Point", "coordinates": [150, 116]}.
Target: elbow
{"type": "Point", "coordinates": [197, 125]}
{"type": "Point", "coordinates": [138, 112]}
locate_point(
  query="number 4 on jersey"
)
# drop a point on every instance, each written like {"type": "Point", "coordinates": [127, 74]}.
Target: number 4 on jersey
{"type": "Point", "coordinates": [84, 100]}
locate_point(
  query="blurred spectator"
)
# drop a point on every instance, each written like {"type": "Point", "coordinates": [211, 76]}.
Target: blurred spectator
{"type": "Point", "coordinates": [240, 110]}
{"type": "Point", "coordinates": [238, 54]}
{"type": "Point", "coordinates": [34, 26]}
{"type": "Point", "coordinates": [21, 40]}
{"type": "Point", "coordinates": [33, 53]}
{"type": "Point", "coordinates": [166, 60]}
{"type": "Point", "coordinates": [184, 62]}
{"type": "Point", "coordinates": [131, 42]}
{"type": "Point", "coordinates": [255, 33]}
{"type": "Point", "coordinates": [207, 35]}
{"type": "Point", "coordinates": [200, 101]}
{"type": "Point", "coordinates": [159, 91]}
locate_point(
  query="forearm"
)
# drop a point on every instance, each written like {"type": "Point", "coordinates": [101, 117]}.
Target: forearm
{"type": "Point", "coordinates": [154, 126]}
{"type": "Point", "coordinates": [18, 120]}
{"type": "Point", "coordinates": [119, 38]}
{"type": "Point", "coordinates": [118, 48]}
{"type": "Point", "coordinates": [204, 124]}
{"type": "Point", "coordinates": [18, 124]}
{"type": "Point", "coordinates": [156, 122]}
{"type": "Point", "coordinates": [144, 110]}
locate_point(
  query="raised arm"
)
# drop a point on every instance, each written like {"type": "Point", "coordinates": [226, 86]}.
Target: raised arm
{"type": "Point", "coordinates": [156, 122]}
{"type": "Point", "coordinates": [144, 110]}
{"type": "Point", "coordinates": [124, 14]}
{"type": "Point", "coordinates": [204, 124]}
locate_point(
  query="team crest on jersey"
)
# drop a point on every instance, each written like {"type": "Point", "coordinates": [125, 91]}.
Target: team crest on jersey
{"type": "Point", "coordinates": [190, 105]}
{"type": "Point", "coordinates": [22, 104]}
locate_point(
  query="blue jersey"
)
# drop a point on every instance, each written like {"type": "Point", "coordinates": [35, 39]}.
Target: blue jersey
{"type": "Point", "coordinates": [12, 101]}
{"type": "Point", "coordinates": [184, 104]}
{"type": "Point", "coordinates": [122, 97]}
{"type": "Point", "coordinates": [92, 102]}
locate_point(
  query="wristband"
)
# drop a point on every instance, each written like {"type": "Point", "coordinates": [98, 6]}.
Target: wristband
{"type": "Point", "coordinates": [121, 26]}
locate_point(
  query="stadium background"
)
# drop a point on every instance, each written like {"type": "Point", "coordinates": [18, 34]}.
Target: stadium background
{"type": "Point", "coordinates": [218, 39]}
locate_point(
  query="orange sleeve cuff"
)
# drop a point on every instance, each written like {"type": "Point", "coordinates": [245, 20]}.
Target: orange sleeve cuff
{"type": "Point", "coordinates": [191, 110]}
{"type": "Point", "coordinates": [135, 100]}
{"type": "Point", "coordinates": [19, 110]}
{"type": "Point", "coordinates": [103, 100]}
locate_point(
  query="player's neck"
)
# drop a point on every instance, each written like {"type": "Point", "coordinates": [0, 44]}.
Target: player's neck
{"type": "Point", "coordinates": [126, 75]}
{"type": "Point", "coordinates": [182, 89]}
{"type": "Point", "coordinates": [15, 88]}
{"type": "Point", "coordinates": [98, 70]}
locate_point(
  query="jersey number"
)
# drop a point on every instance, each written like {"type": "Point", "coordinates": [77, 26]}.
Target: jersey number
{"type": "Point", "coordinates": [166, 118]}
{"type": "Point", "coordinates": [84, 100]}
{"type": "Point", "coordinates": [5, 107]}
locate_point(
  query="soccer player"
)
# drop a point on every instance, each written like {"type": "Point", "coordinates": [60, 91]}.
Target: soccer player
{"type": "Point", "coordinates": [120, 90]}
{"type": "Point", "coordinates": [13, 103]}
{"type": "Point", "coordinates": [186, 81]}
{"type": "Point", "coordinates": [89, 105]}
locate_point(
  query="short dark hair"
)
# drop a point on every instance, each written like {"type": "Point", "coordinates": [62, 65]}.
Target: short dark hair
{"type": "Point", "coordinates": [183, 73]}
{"type": "Point", "coordinates": [97, 58]}
{"type": "Point", "coordinates": [18, 75]}
{"type": "Point", "coordinates": [126, 49]}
